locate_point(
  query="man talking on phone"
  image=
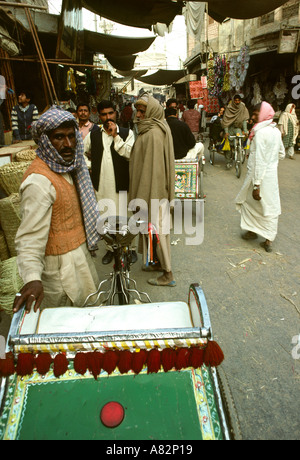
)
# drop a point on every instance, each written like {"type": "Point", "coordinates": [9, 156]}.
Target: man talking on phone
{"type": "Point", "coordinates": [109, 151]}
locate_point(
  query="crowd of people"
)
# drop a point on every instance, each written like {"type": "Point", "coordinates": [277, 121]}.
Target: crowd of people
{"type": "Point", "coordinates": [82, 164]}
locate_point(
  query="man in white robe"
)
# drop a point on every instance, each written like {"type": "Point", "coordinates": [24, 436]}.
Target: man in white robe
{"type": "Point", "coordinates": [109, 151]}
{"type": "Point", "coordinates": [259, 199]}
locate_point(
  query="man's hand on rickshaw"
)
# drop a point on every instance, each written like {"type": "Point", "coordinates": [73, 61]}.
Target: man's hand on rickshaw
{"type": "Point", "coordinates": [226, 135]}
{"type": "Point", "coordinates": [31, 292]}
{"type": "Point", "coordinates": [256, 194]}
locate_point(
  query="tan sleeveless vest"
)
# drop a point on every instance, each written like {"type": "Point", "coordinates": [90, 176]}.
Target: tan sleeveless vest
{"type": "Point", "coordinates": [67, 229]}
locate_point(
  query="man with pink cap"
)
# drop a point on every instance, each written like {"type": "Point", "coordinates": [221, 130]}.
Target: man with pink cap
{"type": "Point", "coordinates": [259, 199]}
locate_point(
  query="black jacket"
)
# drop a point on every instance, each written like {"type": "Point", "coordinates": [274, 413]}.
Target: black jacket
{"type": "Point", "coordinates": [183, 137]}
{"type": "Point", "coordinates": [121, 165]}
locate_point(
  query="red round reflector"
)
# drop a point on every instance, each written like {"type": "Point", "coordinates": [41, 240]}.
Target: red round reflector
{"type": "Point", "coordinates": [112, 414]}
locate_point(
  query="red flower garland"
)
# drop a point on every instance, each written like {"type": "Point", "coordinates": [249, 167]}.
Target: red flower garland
{"type": "Point", "coordinates": [125, 360]}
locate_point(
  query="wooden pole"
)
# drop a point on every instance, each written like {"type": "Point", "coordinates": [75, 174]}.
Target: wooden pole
{"type": "Point", "coordinates": [54, 61]}
{"type": "Point", "coordinates": [48, 78]}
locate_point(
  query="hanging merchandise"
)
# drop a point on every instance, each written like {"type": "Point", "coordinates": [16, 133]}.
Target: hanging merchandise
{"type": "Point", "coordinates": [71, 82]}
{"type": "Point", "coordinates": [210, 73]}
{"type": "Point", "coordinates": [219, 77]}
{"type": "Point", "coordinates": [226, 83]}
{"type": "Point", "coordinates": [217, 72]}
{"type": "Point", "coordinates": [215, 76]}
{"type": "Point", "coordinates": [196, 89]}
{"type": "Point", "coordinates": [90, 82]}
{"type": "Point", "coordinates": [257, 97]}
{"type": "Point", "coordinates": [238, 69]}
{"type": "Point", "coordinates": [280, 89]}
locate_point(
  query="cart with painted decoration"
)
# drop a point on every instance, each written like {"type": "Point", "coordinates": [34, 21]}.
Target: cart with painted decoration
{"type": "Point", "coordinates": [189, 179]}
{"type": "Point", "coordinates": [122, 372]}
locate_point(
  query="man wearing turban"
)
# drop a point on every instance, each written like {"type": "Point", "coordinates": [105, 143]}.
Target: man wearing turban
{"type": "Point", "coordinates": [57, 236]}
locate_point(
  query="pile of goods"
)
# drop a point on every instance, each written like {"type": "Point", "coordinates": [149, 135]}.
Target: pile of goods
{"type": "Point", "coordinates": [10, 218]}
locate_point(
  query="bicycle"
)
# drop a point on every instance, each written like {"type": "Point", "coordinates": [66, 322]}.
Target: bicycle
{"type": "Point", "coordinates": [239, 153]}
{"type": "Point", "coordinates": [214, 147]}
{"type": "Point", "coordinates": [116, 232]}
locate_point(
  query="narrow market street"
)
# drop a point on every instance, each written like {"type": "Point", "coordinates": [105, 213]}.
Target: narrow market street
{"type": "Point", "coordinates": [253, 298]}
{"type": "Point", "coordinates": [97, 104]}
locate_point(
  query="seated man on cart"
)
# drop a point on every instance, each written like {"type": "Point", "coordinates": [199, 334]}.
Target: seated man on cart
{"type": "Point", "coordinates": [185, 145]}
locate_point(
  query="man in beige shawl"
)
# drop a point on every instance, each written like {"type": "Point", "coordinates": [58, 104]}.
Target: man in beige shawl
{"type": "Point", "coordinates": [152, 177]}
{"type": "Point", "coordinates": [235, 122]}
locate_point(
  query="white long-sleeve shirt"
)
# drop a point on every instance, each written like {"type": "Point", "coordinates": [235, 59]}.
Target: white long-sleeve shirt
{"type": "Point", "coordinates": [107, 184]}
{"type": "Point", "coordinates": [67, 279]}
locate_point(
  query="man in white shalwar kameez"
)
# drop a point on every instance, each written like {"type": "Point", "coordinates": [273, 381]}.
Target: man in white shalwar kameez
{"type": "Point", "coordinates": [259, 199]}
{"type": "Point", "coordinates": [109, 150]}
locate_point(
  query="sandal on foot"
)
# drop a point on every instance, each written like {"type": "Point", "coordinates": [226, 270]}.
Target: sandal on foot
{"type": "Point", "coordinates": [267, 247]}
{"type": "Point", "coordinates": [157, 282]}
{"type": "Point", "coordinates": [249, 236]}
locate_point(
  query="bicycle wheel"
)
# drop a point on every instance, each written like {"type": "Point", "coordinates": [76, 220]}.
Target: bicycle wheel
{"type": "Point", "coordinates": [229, 406]}
{"type": "Point", "coordinates": [243, 156]}
{"type": "Point", "coordinates": [212, 156]}
{"type": "Point", "coordinates": [238, 164]}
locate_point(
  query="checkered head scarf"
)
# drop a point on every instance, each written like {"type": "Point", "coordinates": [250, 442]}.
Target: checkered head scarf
{"type": "Point", "coordinates": [50, 120]}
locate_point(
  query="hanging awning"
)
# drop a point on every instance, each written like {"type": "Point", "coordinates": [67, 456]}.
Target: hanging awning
{"type": "Point", "coordinates": [145, 14]}
{"type": "Point", "coordinates": [132, 73]}
{"type": "Point", "coordinates": [162, 77]}
{"type": "Point", "coordinates": [124, 63]}
{"type": "Point", "coordinates": [136, 13]}
{"type": "Point", "coordinates": [113, 45]}
{"type": "Point", "coordinates": [240, 9]}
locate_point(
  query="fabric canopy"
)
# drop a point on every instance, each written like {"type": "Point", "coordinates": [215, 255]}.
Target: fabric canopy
{"type": "Point", "coordinates": [132, 73]}
{"type": "Point", "coordinates": [240, 9]}
{"type": "Point", "coordinates": [112, 45]}
{"type": "Point", "coordinates": [124, 63]}
{"type": "Point", "coordinates": [162, 77]}
{"type": "Point", "coordinates": [146, 13]}
{"type": "Point", "coordinates": [136, 13]}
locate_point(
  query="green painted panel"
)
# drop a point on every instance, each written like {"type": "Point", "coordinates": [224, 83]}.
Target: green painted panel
{"type": "Point", "coordinates": [158, 407]}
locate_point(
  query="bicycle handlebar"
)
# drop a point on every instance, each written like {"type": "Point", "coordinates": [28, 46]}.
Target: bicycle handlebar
{"type": "Point", "coordinates": [238, 137]}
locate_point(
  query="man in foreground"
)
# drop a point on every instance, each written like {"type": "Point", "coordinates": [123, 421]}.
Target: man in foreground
{"type": "Point", "coordinates": [57, 235]}
{"type": "Point", "coordinates": [259, 200]}
{"type": "Point", "coordinates": [152, 177]}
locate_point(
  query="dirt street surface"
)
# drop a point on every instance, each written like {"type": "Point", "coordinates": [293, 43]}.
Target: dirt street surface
{"type": "Point", "coordinates": [253, 299]}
